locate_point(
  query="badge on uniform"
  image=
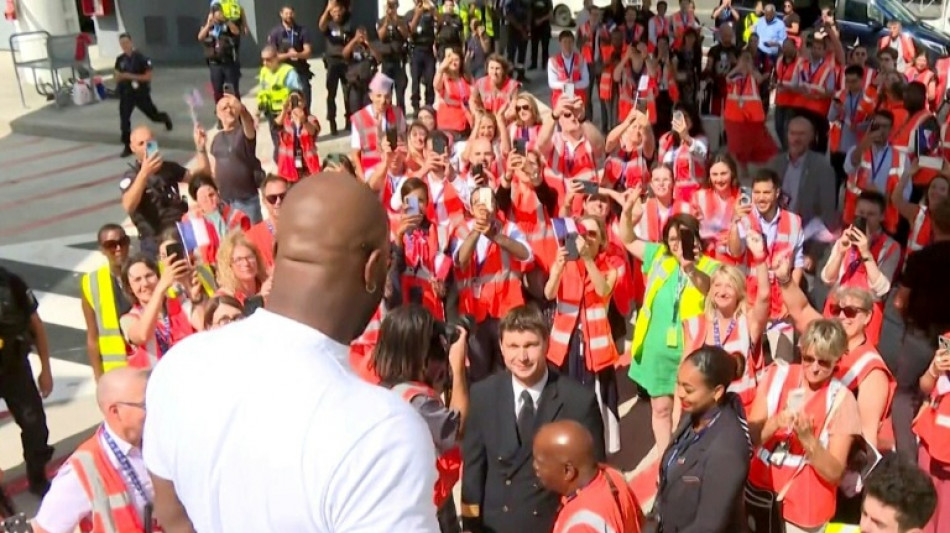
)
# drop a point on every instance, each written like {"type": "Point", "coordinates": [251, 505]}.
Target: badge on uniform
{"type": "Point", "coordinates": [779, 454]}
{"type": "Point", "coordinates": [672, 337]}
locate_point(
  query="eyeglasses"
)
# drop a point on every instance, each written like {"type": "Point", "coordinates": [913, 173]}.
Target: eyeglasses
{"type": "Point", "coordinates": [274, 198]}
{"type": "Point", "coordinates": [249, 259]}
{"type": "Point", "coordinates": [112, 244]}
{"type": "Point", "coordinates": [809, 360]}
{"type": "Point", "coordinates": [849, 311]}
{"type": "Point", "coordinates": [225, 320]}
{"type": "Point", "coordinates": [140, 405]}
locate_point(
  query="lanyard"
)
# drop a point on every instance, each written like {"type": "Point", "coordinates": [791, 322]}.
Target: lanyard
{"type": "Point", "coordinates": [852, 107]}
{"type": "Point", "coordinates": [569, 72]}
{"type": "Point", "coordinates": [163, 334]}
{"type": "Point", "coordinates": [525, 133]}
{"type": "Point", "coordinates": [716, 338]}
{"type": "Point", "coordinates": [270, 228]}
{"type": "Point", "coordinates": [682, 444]}
{"type": "Point", "coordinates": [875, 168]}
{"type": "Point", "coordinates": [681, 279]}
{"type": "Point", "coordinates": [126, 467]}
{"type": "Point", "coordinates": [813, 69]}
{"type": "Point", "coordinates": [290, 36]}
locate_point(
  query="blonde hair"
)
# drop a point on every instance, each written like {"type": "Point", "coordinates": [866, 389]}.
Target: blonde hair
{"type": "Point", "coordinates": [825, 338]}
{"type": "Point", "coordinates": [532, 103]}
{"type": "Point", "coordinates": [861, 295]}
{"type": "Point", "coordinates": [735, 276]}
{"type": "Point", "coordinates": [226, 277]}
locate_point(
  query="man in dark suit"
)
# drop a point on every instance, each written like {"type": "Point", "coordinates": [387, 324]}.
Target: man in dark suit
{"type": "Point", "coordinates": [500, 492]}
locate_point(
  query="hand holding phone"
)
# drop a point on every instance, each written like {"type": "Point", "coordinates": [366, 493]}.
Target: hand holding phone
{"type": "Point", "coordinates": [688, 243]}
{"type": "Point", "coordinates": [745, 196]}
{"type": "Point", "coordinates": [151, 148]}
{"type": "Point", "coordinates": [521, 146]}
{"type": "Point", "coordinates": [589, 187]}
{"type": "Point", "coordinates": [570, 244]}
{"type": "Point", "coordinates": [413, 203]}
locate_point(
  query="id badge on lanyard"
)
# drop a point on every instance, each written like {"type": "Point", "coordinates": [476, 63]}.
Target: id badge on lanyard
{"type": "Point", "coordinates": [875, 168]}
{"type": "Point", "coordinates": [673, 332]}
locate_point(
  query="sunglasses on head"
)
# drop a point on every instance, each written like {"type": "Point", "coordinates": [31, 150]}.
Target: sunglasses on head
{"type": "Point", "coordinates": [273, 198]}
{"type": "Point", "coordinates": [115, 243]}
{"type": "Point", "coordinates": [849, 311]}
{"type": "Point", "coordinates": [809, 360]}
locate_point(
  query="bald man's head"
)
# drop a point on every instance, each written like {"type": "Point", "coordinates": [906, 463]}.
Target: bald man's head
{"type": "Point", "coordinates": [564, 456]}
{"type": "Point", "coordinates": [137, 140]}
{"type": "Point", "coordinates": [332, 255]}
{"type": "Point", "coordinates": [120, 394]}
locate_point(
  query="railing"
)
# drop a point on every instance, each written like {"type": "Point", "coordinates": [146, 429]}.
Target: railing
{"type": "Point", "coordinates": [44, 55]}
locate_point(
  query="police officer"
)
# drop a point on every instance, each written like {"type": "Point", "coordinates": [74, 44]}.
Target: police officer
{"type": "Point", "coordinates": [518, 15]}
{"type": "Point", "coordinates": [422, 24]}
{"type": "Point", "coordinates": [362, 59]}
{"type": "Point", "coordinates": [133, 76]}
{"type": "Point", "coordinates": [218, 37]}
{"type": "Point", "coordinates": [338, 31]}
{"type": "Point", "coordinates": [294, 47]}
{"type": "Point", "coordinates": [451, 32]}
{"type": "Point", "coordinates": [278, 80]}
{"type": "Point", "coordinates": [393, 36]}
{"type": "Point", "coordinates": [150, 193]}
{"type": "Point", "coordinates": [20, 330]}
{"type": "Point", "coordinates": [541, 13]}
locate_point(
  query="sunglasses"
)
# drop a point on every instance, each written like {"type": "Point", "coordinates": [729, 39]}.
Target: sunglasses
{"type": "Point", "coordinates": [848, 310]}
{"type": "Point", "coordinates": [523, 108]}
{"type": "Point", "coordinates": [274, 198]}
{"type": "Point", "coordinates": [809, 360]}
{"type": "Point", "coordinates": [112, 244]}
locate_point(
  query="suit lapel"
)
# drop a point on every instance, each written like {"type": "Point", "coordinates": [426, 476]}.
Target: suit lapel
{"type": "Point", "coordinates": [549, 406]}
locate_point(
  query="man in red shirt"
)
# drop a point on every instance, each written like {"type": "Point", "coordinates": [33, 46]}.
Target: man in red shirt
{"type": "Point", "coordinates": [264, 233]}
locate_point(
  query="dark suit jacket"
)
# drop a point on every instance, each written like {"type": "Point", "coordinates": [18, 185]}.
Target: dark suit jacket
{"type": "Point", "coordinates": [817, 192]}
{"type": "Point", "coordinates": [500, 491]}
{"type": "Point", "coordinates": [702, 492]}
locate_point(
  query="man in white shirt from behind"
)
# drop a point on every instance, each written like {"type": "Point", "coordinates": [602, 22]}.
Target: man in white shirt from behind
{"type": "Point", "coordinates": [262, 426]}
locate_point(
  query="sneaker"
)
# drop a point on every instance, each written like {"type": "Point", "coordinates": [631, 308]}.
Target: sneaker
{"type": "Point", "coordinates": [126, 152]}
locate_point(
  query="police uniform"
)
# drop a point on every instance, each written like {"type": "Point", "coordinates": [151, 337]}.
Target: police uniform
{"type": "Point", "coordinates": [451, 34]}
{"type": "Point", "coordinates": [519, 10]}
{"type": "Point", "coordinates": [422, 57]}
{"type": "Point", "coordinates": [393, 51]}
{"type": "Point", "coordinates": [295, 38]}
{"type": "Point", "coordinates": [17, 386]}
{"type": "Point", "coordinates": [541, 33]}
{"type": "Point", "coordinates": [359, 72]}
{"type": "Point", "coordinates": [161, 206]}
{"type": "Point", "coordinates": [220, 48]}
{"type": "Point", "coordinates": [134, 94]}
{"type": "Point", "coordinates": [337, 35]}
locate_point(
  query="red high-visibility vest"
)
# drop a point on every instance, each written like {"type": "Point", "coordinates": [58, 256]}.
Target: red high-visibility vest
{"type": "Point", "coordinates": [368, 127]}
{"type": "Point", "coordinates": [789, 230]}
{"type": "Point", "coordinates": [529, 133]}
{"type": "Point", "coordinates": [650, 227]}
{"type": "Point", "coordinates": [494, 98]}
{"type": "Point", "coordinates": [361, 348]}
{"type": "Point", "coordinates": [855, 365]}
{"type": "Point", "coordinates": [743, 103]}
{"type": "Point", "coordinates": [492, 288]}
{"type": "Point", "coordinates": [568, 72]}
{"type": "Point", "coordinates": [906, 46]}
{"type": "Point", "coordinates": [680, 23]}
{"type": "Point", "coordinates": [631, 169]}
{"type": "Point", "coordinates": [810, 500]}
{"type": "Point", "coordinates": [426, 262]}
{"type": "Point", "coordinates": [578, 164]}
{"type": "Point", "coordinates": [175, 329]}
{"type": "Point", "coordinates": [860, 180]}
{"type": "Point", "coordinates": [942, 68]}
{"type": "Point", "coordinates": [529, 215]}
{"type": "Point", "coordinates": [921, 233]}
{"type": "Point", "coordinates": [738, 342]}
{"type": "Point", "coordinates": [657, 27]}
{"type": "Point", "coordinates": [815, 80]}
{"type": "Point", "coordinates": [715, 217]}
{"type": "Point", "coordinates": [932, 424]}
{"type": "Point", "coordinates": [446, 208]}
{"type": "Point", "coordinates": [452, 104]}
{"type": "Point", "coordinates": [688, 168]}
{"type": "Point", "coordinates": [607, 503]}
{"type": "Point", "coordinates": [287, 153]}
{"type": "Point", "coordinates": [849, 117]}
{"type": "Point", "coordinates": [787, 73]}
{"type": "Point", "coordinates": [631, 95]}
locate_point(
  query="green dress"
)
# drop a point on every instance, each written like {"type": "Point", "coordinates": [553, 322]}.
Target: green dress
{"type": "Point", "coordinates": [655, 370]}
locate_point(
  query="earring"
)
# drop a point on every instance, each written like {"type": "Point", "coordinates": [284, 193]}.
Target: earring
{"type": "Point", "coordinates": [371, 289]}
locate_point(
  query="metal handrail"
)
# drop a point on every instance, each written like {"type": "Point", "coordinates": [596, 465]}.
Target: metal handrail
{"type": "Point", "coordinates": [16, 52]}
{"type": "Point", "coordinates": [60, 53]}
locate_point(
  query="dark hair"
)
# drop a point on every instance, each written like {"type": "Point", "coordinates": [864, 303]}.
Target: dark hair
{"type": "Point", "coordinates": [916, 91]}
{"type": "Point", "coordinates": [341, 159]}
{"type": "Point", "coordinates": [199, 181]}
{"type": "Point", "coordinates": [726, 158]}
{"type": "Point", "coordinates": [696, 122]}
{"type": "Point", "coordinates": [854, 70]}
{"type": "Point", "coordinates": [902, 486]}
{"type": "Point", "coordinates": [524, 318]}
{"type": "Point", "coordinates": [680, 221]}
{"type": "Point", "coordinates": [718, 367]}
{"type": "Point", "coordinates": [887, 52]}
{"type": "Point", "coordinates": [437, 134]}
{"type": "Point", "coordinates": [940, 215]}
{"type": "Point", "coordinates": [875, 197]}
{"type": "Point", "coordinates": [406, 343]}
{"type": "Point", "coordinates": [766, 174]}
{"type": "Point", "coordinates": [111, 226]}
{"type": "Point", "coordinates": [273, 178]}
{"type": "Point", "coordinates": [565, 34]}
{"type": "Point", "coordinates": [125, 35]}
{"type": "Point", "coordinates": [218, 301]}
{"type": "Point", "coordinates": [663, 2]}
{"type": "Point", "coordinates": [886, 115]}
{"type": "Point", "coordinates": [411, 185]}
{"type": "Point", "coordinates": [129, 263]}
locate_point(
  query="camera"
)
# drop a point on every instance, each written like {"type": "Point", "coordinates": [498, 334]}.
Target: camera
{"type": "Point", "coordinates": [448, 331]}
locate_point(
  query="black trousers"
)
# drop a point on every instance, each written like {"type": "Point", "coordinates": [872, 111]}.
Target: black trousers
{"type": "Point", "coordinates": [540, 36]}
{"type": "Point", "coordinates": [396, 70]}
{"type": "Point", "coordinates": [221, 74]}
{"type": "Point", "coordinates": [517, 50]}
{"type": "Point", "coordinates": [336, 75]}
{"type": "Point", "coordinates": [141, 100]}
{"type": "Point", "coordinates": [837, 163]}
{"type": "Point", "coordinates": [422, 69]}
{"type": "Point", "coordinates": [357, 96]}
{"type": "Point", "coordinates": [916, 353]}
{"type": "Point", "coordinates": [18, 389]}
{"type": "Point", "coordinates": [307, 87]}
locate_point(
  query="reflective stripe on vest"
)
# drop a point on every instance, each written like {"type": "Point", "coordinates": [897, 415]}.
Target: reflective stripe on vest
{"type": "Point", "coordinates": [97, 289]}
{"type": "Point", "coordinates": [855, 371]}
{"type": "Point", "coordinates": [589, 519]}
{"type": "Point", "coordinates": [454, 95]}
{"type": "Point", "coordinates": [916, 240]}
{"type": "Point", "coordinates": [273, 88]}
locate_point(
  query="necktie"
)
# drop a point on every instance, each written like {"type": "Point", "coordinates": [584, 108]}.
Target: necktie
{"type": "Point", "coordinates": [526, 418]}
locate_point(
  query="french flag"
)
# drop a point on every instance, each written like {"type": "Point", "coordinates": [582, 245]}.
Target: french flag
{"type": "Point", "coordinates": [564, 226]}
{"type": "Point", "coordinates": [197, 233]}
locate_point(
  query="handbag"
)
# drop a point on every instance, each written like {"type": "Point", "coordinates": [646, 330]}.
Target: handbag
{"type": "Point", "coordinates": [763, 507]}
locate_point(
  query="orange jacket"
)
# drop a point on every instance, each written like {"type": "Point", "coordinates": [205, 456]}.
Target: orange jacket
{"type": "Point", "coordinates": [606, 504]}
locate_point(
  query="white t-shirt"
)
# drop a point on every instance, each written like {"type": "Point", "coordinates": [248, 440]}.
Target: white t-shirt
{"type": "Point", "coordinates": [262, 426]}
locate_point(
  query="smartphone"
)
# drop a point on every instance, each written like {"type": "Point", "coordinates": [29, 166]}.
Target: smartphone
{"type": "Point", "coordinates": [688, 241]}
{"type": "Point", "coordinates": [439, 144]}
{"type": "Point", "coordinates": [745, 196]}
{"type": "Point", "coordinates": [228, 88]}
{"type": "Point", "coordinates": [861, 224]}
{"type": "Point", "coordinates": [413, 202]}
{"type": "Point", "coordinates": [253, 304]}
{"type": "Point", "coordinates": [151, 148]}
{"type": "Point", "coordinates": [570, 244]}
{"type": "Point", "coordinates": [477, 170]}
{"type": "Point", "coordinates": [569, 90]}
{"type": "Point", "coordinates": [521, 146]}
{"type": "Point", "coordinates": [176, 249]}
{"type": "Point", "coordinates": [944, 342]}
{"type": "Point", "coordinates": [392, 136]}
{"type": "Point", "coordinates": [796, 400]}
{"type": "Point", "coordinates": [678, 116]}
{"type": "Point", "coordinates": [589, 187]}
{"type": "Point", "coordinates": [484, 197]}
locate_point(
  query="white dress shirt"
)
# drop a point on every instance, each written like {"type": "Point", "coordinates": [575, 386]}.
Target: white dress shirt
{"type": "Point", "coordinates": [554, 80]}
{"type": "Point", "coordinates": [66, 503]}
{"type": "Point", "coordinates": [263, 426]}
{"type": "Point", "coordinates": [770, 233]}
{"type": "Point", "coordinates": [534, 391]}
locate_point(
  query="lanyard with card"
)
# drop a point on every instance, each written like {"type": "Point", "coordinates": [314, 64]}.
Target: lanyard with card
{"type": "Point", "coordinates": [673, 332]}
{"type": "Point", "coordinates": [126, 466]}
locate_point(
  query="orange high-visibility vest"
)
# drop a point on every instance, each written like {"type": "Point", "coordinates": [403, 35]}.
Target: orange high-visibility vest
{"type": "Point", "coordinates": [607, 503]}
{"type": "Point", "coordinates": [568, 72]}
{"type": "Point", "coordinates": [921, 233]}
{"type": "Point", "coordinates": [786, 74]}
{"type": "Point", "coordinates": [852, 111]}
{"type": "Point", "coordinates": [932, 424]}
{"type": "Point", "coordinates": [105, 487]}
{"type": "Point", "coordinates": [906, 47]}
{"type": "Point", "coordinates": [814, 80]}
{"type": "Point", "coordinates": [493, 98]}
{"type": "Point", "coordinates": [855, 365]}
{"type": "Point", "coordinates": [492, 288]}
{"type": "Point", "coordinates": [650, 227]}
{"type": "Point", "coordinates": [738, 342]}
{"type": "Point", "coordinates": [605, 88]}
{"type": "Point", "coordinates": [680, 24]}
{"type": "Point", "coordinates": [529, 215]}
{"type": "Point", "coordinates": [789, 230]}
{"type": "Point", "coordinates": [942, 68]}
{"type": "Point", "coordinates": [688, 171]}
{"type": "Point", "coordinates": [361, 348]}
{"type": "Point", "coordinates": [861, 179]}
{"type": "Point", "coordinates": [449, 464]}
{"type": "Point", "coordinates": [715, 215]}
{"type": "Point", "coordinates": [660, 26]}
{"type": "Point", "coordinates": [810, 500]}
{"type": "Point", "coordinates": [580, 308]}
{"type": "Point", "coordinates": [630, 95]}
{"type": "Point", "coordinates": [743, 103]}
{"type": "Point", "coordinates": [451, 105]}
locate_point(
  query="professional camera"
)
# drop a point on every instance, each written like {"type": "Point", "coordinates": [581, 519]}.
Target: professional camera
{"type": "Point", "coordinates": [448, 333]}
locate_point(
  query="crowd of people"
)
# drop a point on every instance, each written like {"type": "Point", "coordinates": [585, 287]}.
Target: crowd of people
{"type": "Point", "coordinates": [502, 269]}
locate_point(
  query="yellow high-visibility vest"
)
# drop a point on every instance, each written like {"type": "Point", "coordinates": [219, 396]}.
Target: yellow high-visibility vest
{"type": "Point", "coordinates": [97, 289]}
{"type": "Point", "coordinates": [231, 9]}
{"type": "Point", "coordinates": [273, 90]}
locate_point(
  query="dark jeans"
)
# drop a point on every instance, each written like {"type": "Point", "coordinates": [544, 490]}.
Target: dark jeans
{"type": "Point", "coordinates": [540, 36]}
{"type": "Point", "coordinates": [396, 70]}
{"type": "Point", "coordinates": [141, 100]}
{"type": "Point", "coordinates": [336, 75]}
{"type": "Point", "coordinates": [916, 354]}
{"type": "Point", "coordinates": [422, 69]}
{"type": "Point", "coordinates": [484, 351]}
{"type": "Point", "coordinates": [837, 163]}
{"type": "Point", "coordinates": [18, 389]}
{"type": "Point", "coordinates": [221, 74]}
{"type": "Point", "coordinates": [783, 114]}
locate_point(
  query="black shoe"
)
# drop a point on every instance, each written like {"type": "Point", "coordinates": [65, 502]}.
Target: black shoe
{"type": "Point", "coordinates": [39, 487]}
{"type": "Point", "coordinates": [168, 122]}
{"type": "Point", "coordinates": [126, 152]}
{"type": "Point", "coordinates": [333, 129]}
{"type": "Point", "coordinates": [6, 504]}
{"type": "Point", "coordinates": [534, 66]}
